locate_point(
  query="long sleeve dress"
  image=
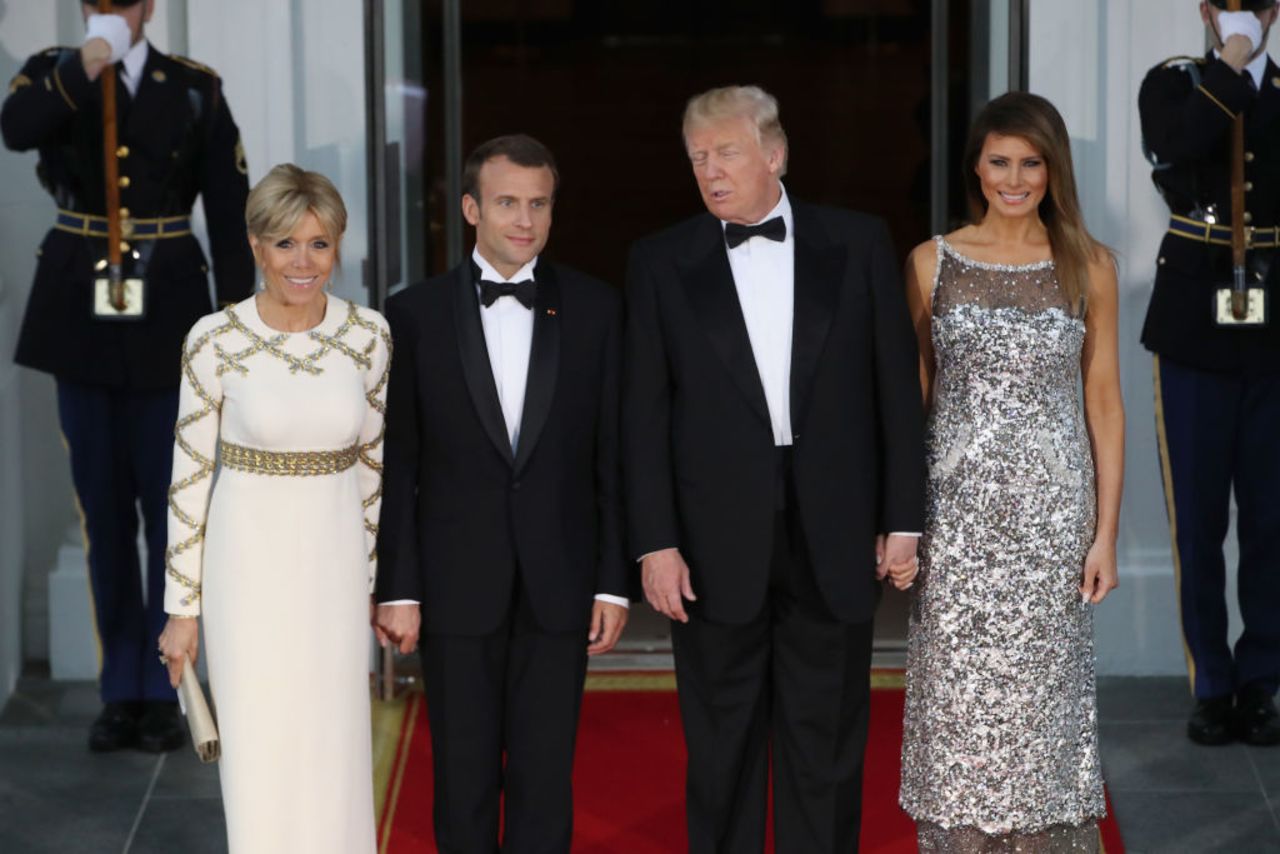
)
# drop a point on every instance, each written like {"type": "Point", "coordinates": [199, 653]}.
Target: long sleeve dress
{"type": "Point", "coordinates": [273, 509]}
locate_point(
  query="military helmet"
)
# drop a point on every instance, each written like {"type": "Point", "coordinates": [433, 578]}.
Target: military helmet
{"type": "Point", "coordinates": [1246, 5]}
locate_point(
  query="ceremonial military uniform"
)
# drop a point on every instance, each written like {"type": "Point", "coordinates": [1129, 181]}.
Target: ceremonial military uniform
{"type": "Point", "coordinates": [117, 379]}
{"type": "Point", "coordinates": [1218, 387]}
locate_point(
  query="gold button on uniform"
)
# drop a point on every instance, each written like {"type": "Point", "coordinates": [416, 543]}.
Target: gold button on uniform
{"type": "Point", "coordinates": [1160, 260]}
{"type": "Point", "coordinates": [122, 152]}
{"type": "Point", "coordinates": [124, 213]}
{"type": "Point", "coordinates": [124, 182]}
{"type": "Point", "coordinates": [158, 76]}
{"type": "Point", "coordinates": [1248, 186]}
{"type": "Point", "coordinates": [1248, 217]}
{"type": "Point", "coordinates": [1248, 157]}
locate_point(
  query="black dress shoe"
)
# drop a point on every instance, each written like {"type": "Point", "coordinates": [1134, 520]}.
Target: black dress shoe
{"type": "Point", "coordinates": [1211, 722]}
{"type": "Point", "coordinates": [159, 729]}
{"type": "Point", "coordinates": [1255, 721]}
{"type": "Point", "coordinates": [115, 729]}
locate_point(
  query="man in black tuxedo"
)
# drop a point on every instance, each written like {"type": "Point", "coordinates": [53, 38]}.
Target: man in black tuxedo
{"type": "Point", "coordinates": [772, 426]}
{"type": "Point", "coordinates": [501, 511]}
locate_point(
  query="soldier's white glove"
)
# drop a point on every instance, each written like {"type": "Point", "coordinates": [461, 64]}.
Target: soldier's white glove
{"type": "Point", "coordinates": [114, 30]}
{"type": "Point", "coordinates": [1240, 24]}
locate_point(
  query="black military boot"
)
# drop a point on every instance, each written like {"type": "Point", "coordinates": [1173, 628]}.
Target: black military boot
{"type": "Point", "coordinates": [1255, 720]}
{"type": "Point", "coordinates": [159, 729]}
{"type": "Point", "coordinates": [115, 729]}
{"type": "Point", "coordinates": [1211, 722]}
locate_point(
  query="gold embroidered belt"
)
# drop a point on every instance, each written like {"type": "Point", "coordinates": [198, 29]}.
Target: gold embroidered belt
{"type": "Point", "coordinates": [287, 463]}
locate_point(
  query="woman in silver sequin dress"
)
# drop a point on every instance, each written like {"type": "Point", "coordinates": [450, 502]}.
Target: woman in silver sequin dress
{"type": "Point", "coordinates": [1014, 314]}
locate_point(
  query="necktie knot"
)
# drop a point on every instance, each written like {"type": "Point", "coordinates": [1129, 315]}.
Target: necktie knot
{"type": "Point", "coordinates": [772, 229]}
{"type": "Point", "coordinates": [525, 291]}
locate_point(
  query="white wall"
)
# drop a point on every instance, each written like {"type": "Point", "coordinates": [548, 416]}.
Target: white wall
{"type": "Point", "coordinates": [1089, 57]}
{"type": "Point", "coordinates": [293, 73]}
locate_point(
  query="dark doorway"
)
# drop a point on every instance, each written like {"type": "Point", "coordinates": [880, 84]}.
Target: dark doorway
{"type": "Point", "coordinates": [604, 85]}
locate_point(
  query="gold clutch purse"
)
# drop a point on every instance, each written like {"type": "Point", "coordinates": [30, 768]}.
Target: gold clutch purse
{"type": "Point", "coordinates": [204, 732]}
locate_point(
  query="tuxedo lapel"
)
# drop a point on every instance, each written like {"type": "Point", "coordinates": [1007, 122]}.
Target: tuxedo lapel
{"type": "Point", "coordinates": [544, 363]}
{"type": "Point", "coordinates": [709, 287]}
{"type": "Point", "coordinates": [819, 269]}
{"type": "Point", "coordinates": [475, 360]}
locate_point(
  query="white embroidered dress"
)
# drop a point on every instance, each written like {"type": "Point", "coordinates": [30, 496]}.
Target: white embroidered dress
{"type": "Point", "coordinates": [274, 547]}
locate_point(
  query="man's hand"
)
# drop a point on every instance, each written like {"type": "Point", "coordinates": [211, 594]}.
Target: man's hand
{"type": "Point", "coordinates": [607, 622]}
{"type": "Point", "coordinates": [899, 562]}
{"type": "Point", "coordinates": [107, 39]}
{"type": "Point", "coordinates": [94, 56]}
{"type": "Point", "coordinates": [665, 577]}
{"type": "Point", "coordinates": [1241, 33]}
{"type": "Point", "coordinates": [398, 624]}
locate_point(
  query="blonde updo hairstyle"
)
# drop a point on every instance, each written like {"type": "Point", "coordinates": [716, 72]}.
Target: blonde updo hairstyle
{"type": "Point", "coordinates": [281, 199]}
{"type": "Point", "coordinates": [732, 102]}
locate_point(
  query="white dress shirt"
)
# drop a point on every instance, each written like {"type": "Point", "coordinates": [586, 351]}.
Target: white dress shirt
{"type": "Point", "coordinates": [508, 336]}
{"type": "Point", "coordinates": [764, 274]}
{"type": "Point", "coordinates": [132, 64]}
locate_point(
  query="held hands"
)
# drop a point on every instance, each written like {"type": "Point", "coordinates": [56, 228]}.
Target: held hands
{"type": "Point", "coordinates": [179, 641]}
{"type": "Point", "coordinates": [896, 559]}
{"type": "Point", "coordinates": [399, 625]}
{"type": "Point", "coordinates": [665, 577]}
{"type": "Point", "coordinates": [607, 622]}
{"type": "Point", "coordinates": [1100, 575]}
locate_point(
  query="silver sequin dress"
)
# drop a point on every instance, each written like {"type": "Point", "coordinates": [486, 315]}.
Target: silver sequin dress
{"type": "Point", "coordinates": [1000, 733]}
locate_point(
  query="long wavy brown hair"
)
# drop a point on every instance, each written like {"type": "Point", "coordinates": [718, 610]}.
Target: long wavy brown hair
{"type": "Point", "coordinates": [1037, 121]}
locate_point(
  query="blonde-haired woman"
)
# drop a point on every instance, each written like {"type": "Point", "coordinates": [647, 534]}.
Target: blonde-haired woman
{"type": "Point", "coordinates": [1012, 313]}
{"type": "Point", "coordinates": [276, 552]}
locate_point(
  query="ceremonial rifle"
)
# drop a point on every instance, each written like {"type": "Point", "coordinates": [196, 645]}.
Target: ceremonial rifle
{"type": "Point", "coordinates": [115, 270]}
{"type": "Point", "coordinates": [1239, 287]}
{"type": "Point", "coordinates": [1239, 304]}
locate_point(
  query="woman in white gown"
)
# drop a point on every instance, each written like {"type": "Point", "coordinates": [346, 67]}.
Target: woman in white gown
{"type": "Point", "coordinates": [274, 545]}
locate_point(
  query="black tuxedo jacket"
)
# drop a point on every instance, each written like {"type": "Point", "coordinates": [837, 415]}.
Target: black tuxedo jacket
{"type": "Point", "coordinates": [699, 458]}
{"type": "Point", "coordinates": [462, 514]}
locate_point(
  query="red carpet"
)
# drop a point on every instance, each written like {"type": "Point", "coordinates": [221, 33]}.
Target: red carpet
{"type": "Point", "coordinates": [629, 777]}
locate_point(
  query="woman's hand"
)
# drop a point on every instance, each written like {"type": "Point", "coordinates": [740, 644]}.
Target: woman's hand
{"type": "Point", "coordinates": [179, 641]}
{"type": "Point", "coordinates": [1100, 575]}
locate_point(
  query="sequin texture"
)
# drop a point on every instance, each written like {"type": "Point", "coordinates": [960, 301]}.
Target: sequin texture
{"type": "Point", "coordinates": [1000, 734]}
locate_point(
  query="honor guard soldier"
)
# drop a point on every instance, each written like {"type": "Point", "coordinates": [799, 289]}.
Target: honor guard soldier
{"type": "Point", "coordinates": [1212, 327]}
{"type": "Point", "coordinates": [107, 321]}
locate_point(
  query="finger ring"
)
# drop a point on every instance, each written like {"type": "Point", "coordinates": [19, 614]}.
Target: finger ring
{"type": "Point", "coordinates": [164, 659]}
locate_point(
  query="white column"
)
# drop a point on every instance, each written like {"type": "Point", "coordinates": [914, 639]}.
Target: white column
{"type": "Point", "coordinates": [1089, 57]}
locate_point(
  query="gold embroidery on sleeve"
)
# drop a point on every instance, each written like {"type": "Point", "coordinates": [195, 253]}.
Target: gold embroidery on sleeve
{"type": "Point", "coordinates": [18, 82]}
{"type": "Point", "coordinates": [204, 465]}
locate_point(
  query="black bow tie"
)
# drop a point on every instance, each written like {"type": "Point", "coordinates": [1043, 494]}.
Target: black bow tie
{"type": "Point", "coordinates": [526, 292]}
{"type": "Point", "coordinates": [736, 235]}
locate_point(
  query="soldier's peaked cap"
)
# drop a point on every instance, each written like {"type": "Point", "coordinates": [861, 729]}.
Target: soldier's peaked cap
{"type": "Point", "coordinates": [1246, 5]}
